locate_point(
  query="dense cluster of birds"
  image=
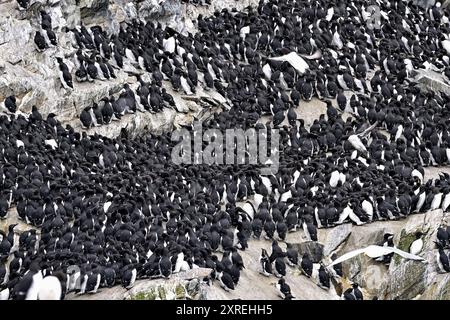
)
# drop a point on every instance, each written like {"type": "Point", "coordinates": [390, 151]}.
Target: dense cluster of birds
{"type": "Point", "coordinates": [274, 264]}
{"type": "Point", "coordinates": [45, 37]}
{"type": "Point", "coordinates": [147, 97]}
{"type": "Point", "coordinates": [113, 210]}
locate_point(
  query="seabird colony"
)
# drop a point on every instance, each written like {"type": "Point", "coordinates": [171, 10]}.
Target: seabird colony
{"type": "Point", "coordinates": [108, 211]}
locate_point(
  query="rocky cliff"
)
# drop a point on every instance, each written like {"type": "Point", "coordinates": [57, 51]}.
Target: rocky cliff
{"type": "Point", "coordinates": [34, 77]}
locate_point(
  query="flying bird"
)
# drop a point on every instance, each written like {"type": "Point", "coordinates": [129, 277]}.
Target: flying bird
{"type": "Point", "coordinates": [295, 61]}
{"type": "Point", "coordinates": [373, 252]}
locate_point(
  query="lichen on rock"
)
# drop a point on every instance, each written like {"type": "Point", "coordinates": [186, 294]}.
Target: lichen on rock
{"type": "Point", "coordinates": [406, 239]}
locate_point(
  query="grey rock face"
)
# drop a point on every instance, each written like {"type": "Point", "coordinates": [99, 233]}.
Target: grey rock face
{"type": "Point", "coordinates": [433, 81]}
{"type": "Point", "coordinates": [312, 248]}
{"type": "Point", "coordinates": [336, 237]}
{"type": "Point", "coordinates": [406, 281]}
{"type": "Point", "coordinates": [91, 8]}
{"type": "Point", "coordinates": [183, 285]}
{"type": "Point", "coordinates": [71, 12]}
{"type": "Point", "coordinates": [151, 9]}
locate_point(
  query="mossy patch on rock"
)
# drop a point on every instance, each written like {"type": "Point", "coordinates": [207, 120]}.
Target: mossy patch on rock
{"type": "Point", "coordinates": [406, 239]}
{"type": "Point", "coordinates": [149, 295]}
{"type": "Point", "coordinates": [180, 291]}
{"type": "Point", "coordinates": [166, 290]}
{"type": "Point", "coordinates": [162, 292]}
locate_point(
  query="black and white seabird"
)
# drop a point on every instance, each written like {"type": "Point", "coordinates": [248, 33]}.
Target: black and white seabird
{"type": "Point", "coordinates": [284, 290]}
{"type": "Point", "coordinates": [64, 74]}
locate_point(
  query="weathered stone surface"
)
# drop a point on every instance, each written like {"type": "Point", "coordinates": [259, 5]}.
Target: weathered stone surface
{"type": "Point", "coordinates": [13, 218]}
{"type": "Point", "coordinates": [71, 11]}
{"type": "Point", "coordinates": [197, 273]}
{"type": "Point", "coordinates": [433, 172]}
{"type": "Point", "coordinates": [406, 281]}
{"type": "Point", "coordinates": [91, 8]}
{"type": "Point", "coordinates": [432, 81]}
{"type": "Point", "coordinates": [115, 293]}
{"type": "Point", "coordinates": [312, 248]}
{"type": "Point", "coordinates": [336, 237]}
{"type": "Point", "coordinates": [151, 9]}
{"type": "Point", "coordinates": [183, 285]}
{"type": "Point", "coordinates": [438, 289]}
{"type": "Point", "coordinates": [172, 289]}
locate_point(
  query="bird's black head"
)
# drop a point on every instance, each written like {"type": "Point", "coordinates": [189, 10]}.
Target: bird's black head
{"type": "Point", "coordinates": [387, 236]}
